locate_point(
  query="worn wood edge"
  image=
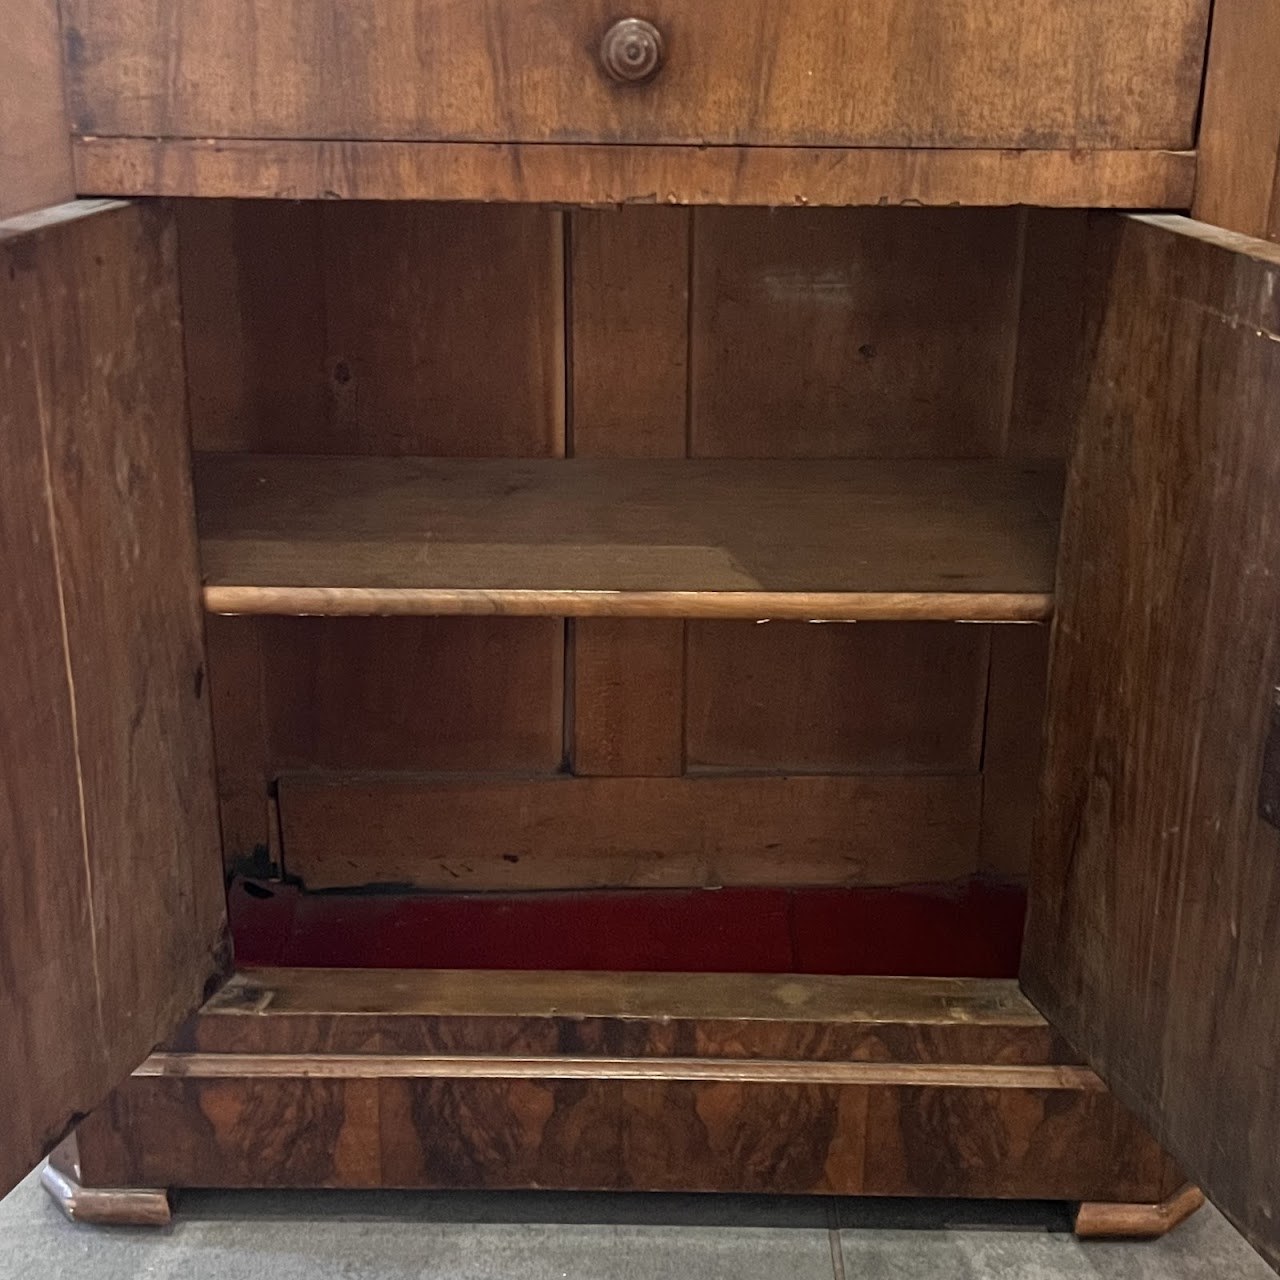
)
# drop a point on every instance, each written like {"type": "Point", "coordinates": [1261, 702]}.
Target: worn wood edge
{"type": "Point", "coordinates": [884, 1001]}
{"type": "Point", "coordinates": [106, 1206]}
{"type": "Point", "coordinates": [377, 1066]}
{"type": "Point", "coordinates": [1095, 1221]}
{"type": "Point", "coordinates": [57, 215]}
{"type": "Point", "coordinates": [1232, 242]}
{"type": "Point", "coordinates": [605, 174]}
{"type": "Point", "coordinates": [865, 606]}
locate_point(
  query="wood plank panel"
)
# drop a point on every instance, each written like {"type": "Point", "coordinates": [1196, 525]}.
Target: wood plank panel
{"type": "Point", "coordinates": [1152, 937]}
{"type": "Point", "coordinates": [629, 340]}
{"type": "Point", "coordinates": [1015, 707]}
{"type": "Point", "coordinates": [629, 312]}
{"type": "Point", "coordinates": [603, 175]}
{"type": "Point", "coordinates": [111, 905]}
{"type": "Point", "coordinates": [317, 330]}
{"type": "Point", "coordinates": [253, 313]}
{"type": "Point", "coordinates": [632, 1080]}
{"type": "Point", "coordinates": [1085, 76]}
{"type": "Point", "coordinates": [831, 333]}
{"type": "Point", "coordinates": [624, 1135]}
{"type": "Point", "coordinates": [888, 698]}
{"type": "Point", "coordinates": [560, 833]}
{"type": "Point", "coordinates": [445, 330]}
{"type": "Point", "coordinates": [671, 538]}
{"type": "Point", "coordinates": [628, 697]}
{"type": "Point", "coordinates": [483, 694]}
{"type": "Point", "coordinates": [1238, 174]}
{"type": "Point", "coordinates": [1056, 333]}
{"type": "Point", "coordinates": [238, 697]}
{"type": "Point", "coordinates": [35, 132]}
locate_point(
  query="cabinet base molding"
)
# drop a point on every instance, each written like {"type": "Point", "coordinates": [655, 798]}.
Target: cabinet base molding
{"type": "Point", "coordinates": [101, 1206]}
{"type": "Point", "coordinates": [741, 1083]}
{"type": "Point", "coordinates": [1097, 1221]}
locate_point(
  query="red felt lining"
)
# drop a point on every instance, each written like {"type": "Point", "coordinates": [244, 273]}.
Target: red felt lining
{"type": "Point", "coordinates": [972, 930]}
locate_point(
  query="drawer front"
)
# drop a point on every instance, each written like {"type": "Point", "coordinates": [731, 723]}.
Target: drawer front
{"type": "Point", "coordinates": [1050, 74]}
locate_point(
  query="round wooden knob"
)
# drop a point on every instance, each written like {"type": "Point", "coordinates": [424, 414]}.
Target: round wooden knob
{"type": "Point", "coordinates": [631, 51]}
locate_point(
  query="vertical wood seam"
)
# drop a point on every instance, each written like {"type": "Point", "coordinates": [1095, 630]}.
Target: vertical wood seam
{"type": "Point", "coordinates": [64, 95]}
{"type": "Point", "coordinates": [1015, 352]}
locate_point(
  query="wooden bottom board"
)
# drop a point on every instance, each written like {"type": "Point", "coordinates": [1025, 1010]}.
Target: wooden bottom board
{"type": "Point", "coordinates": [331, 1078]}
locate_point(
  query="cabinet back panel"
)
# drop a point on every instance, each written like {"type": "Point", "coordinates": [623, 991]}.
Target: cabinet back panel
{"type": "Point", "coordinates": [878, 698]}
{"type": "Point", "coordinates": [640, 332]}
{"type": "Point", "coordinates": [844, 333]}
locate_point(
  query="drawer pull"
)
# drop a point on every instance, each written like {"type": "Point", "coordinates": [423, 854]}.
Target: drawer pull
{"type": "Point", "coordinates": [631, 51]}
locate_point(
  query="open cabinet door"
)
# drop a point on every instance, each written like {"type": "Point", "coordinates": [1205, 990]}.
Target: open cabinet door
{"type": "Point", "coordinates": [1154, 930]}
{"type": "Point", "coordinates": [111, 901]}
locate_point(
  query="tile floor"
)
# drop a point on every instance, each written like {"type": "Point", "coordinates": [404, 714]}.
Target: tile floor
{"type": "Point", "coordinates": [398, 1236]}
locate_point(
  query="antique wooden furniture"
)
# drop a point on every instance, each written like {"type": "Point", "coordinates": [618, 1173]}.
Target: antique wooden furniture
{"type": "Point", "coordinates": [586, 717]}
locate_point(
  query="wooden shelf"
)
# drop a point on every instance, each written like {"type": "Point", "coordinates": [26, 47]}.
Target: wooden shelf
{"type": "Point", "coordinates": [818, 540]}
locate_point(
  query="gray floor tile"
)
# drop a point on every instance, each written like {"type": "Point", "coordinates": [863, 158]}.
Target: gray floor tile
{"type": "Point", "coordinates": [1206, 1248]}
{"type": "Point", "coordinates": [292, 1236]}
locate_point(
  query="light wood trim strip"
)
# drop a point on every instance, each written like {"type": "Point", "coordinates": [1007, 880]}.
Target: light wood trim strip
{"type": "Point", "coordinates": [605, 174]}
{"type": "Point", "coordinates": [865, 606]}
{"type": "Point", "coordinates": [222, 1066]}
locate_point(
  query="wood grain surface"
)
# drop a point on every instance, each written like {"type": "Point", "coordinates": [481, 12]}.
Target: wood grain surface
{"type": "Point", "coordinates": [890, 698]}
{"type": "Point", "coordinates": [1089, 75]}
{"type": "Point", "coordinates": [887, 1087]}
{"type": "Point", "coordinates": [628, 285]}
{"type": "Point", "coordinates": [830, 333]}
{"type": "Point", "coordinates": [661, 1135]}
{"type": "Point", "coordinates": [562, 833]}
{"type": "Point", "coordinates": [111, 904]}
{"type": "Point", "coordinates": [1151, 938]}
{"type": "Point", "coordinates": [673, 538]}
{"type": "Point", "coordinates": [307, 330]}
{"type": "Point", "coordinates": [1238, 171]}
{"type": "Point", "coordinates": [35, 133]}
{"type": "Point", "coordinates": [614, 175]}
{"type": "Point", "coordinates": [781, 1017]}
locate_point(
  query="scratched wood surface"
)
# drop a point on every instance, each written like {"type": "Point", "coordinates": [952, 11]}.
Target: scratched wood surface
{"type": "Point", "coordinates": [599, 174]}
{"type": "Point", "coordinates": [111, 904]}
{"type": "Point", "coordinates": [1151, 939]}
{"type": "Point", "coordinates": [1083, 76]}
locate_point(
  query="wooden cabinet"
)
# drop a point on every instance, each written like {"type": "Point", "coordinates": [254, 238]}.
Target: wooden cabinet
{"type": "Point", "coordinates": [650, 656]}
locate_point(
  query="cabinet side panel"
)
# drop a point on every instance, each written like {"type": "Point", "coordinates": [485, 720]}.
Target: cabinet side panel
{"type": "Point", "coordinates": [1238, 170]}
{"type": "Point", "coordinates": [35, 134]}
{"type": "Point", "coordinates": [111, 904]}
{"type": "Point", "coordinates": [1152, 936]}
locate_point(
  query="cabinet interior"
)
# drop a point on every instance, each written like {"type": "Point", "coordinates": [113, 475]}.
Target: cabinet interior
{"type": "Point", "coordinates": [727, 646]}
